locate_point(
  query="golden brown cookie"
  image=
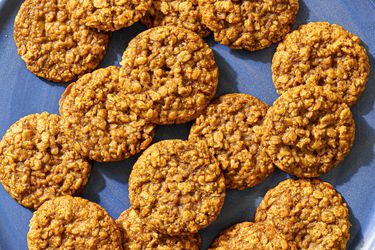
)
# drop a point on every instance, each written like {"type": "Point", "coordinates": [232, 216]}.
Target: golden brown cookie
{"type": "Point", "coordinates": [182, 13]}
{"type": "Point", "coordinates": [249, 236]}
{"type": "Point", "coordinates": [310, 213]}
{"type": "Point", "coordinates": [108, 15]}
{"type": "Point", "coordinates": [98, 119]}
{"type": "Point", "coordinates": [176, 187]}
{"type": "Point", "coordinates": [37, 163]}
{"type": "Point", "coordinates": [72, 223]}
{"type": "Point", "coordinates": [249, 24]}
{"type": "Point", "coordinates": [308, 131]}
{"type": "Point", "coordinates": [169, 75]}
{"type": "Point", "coordinates": [322, 54]}
{"type": "Point", "coordinates": [137, 236]}
{"type": "Point", "coordinates": [229, 127]}
{"type": "Point", "coordinates": [54, 46]}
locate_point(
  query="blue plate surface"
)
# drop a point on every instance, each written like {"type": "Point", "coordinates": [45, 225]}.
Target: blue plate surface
{"type": "Point", "coordinates": [22, 93]}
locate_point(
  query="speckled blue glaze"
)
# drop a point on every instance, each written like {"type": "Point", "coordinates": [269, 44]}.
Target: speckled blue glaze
{"type": "Point", "coordinates": [22, 93]}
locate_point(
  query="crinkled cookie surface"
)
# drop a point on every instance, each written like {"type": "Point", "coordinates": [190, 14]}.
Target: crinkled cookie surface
{"type": "Point", "coordinates": [177, 187]}
{"type": "Point", "coordinates": [310, 213]}
{"type": "Point", "coordinates": [308, 131]}
{"type": "Point", "coordinates": [137, 235]}
{"type": "Point", "coordinates": [322, 54]}
{"type": "Point", "coordinates": [249, 235]}
{"type": "Point", "coordinates": [185, 14]}
{"type": "Point", "coordinates": [73, 223]}
{"type": "Point", "coordinates": [37, 162]}
{"type": "Point", "coordinates": [108, 15]}
{"type": "Point", "coordinates": [169, 75]}
{"type": "Point", "coordinates": [249, 24]}
{"type": "Point", "coordinates": [230, 127]}
{"type": "Point", "coordinates": [52, 45]}
{"type": "Point", "coordinates": [99, 121]}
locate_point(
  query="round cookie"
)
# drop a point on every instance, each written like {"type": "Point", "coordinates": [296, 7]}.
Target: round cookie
{"type": "Point", "coordinates": [108, 15]}
{"type": "Point", "coordinates": [98, 119]}
{"type": "Point", "coordinates": [72, 223]}
{"type": "Point", "coordinates": [310, 213]}
{"type": "Point", "coordinates": [177, 187]}
{"type": "Point", "coordinates": [52, 45]}
{"type": "Point", "coordinates": [230, 127]}
{"type": "Point", "coordinates": [249, 24]}
{"type": "Point", "coordinates": [169, 75]}
{"type": "Point", "coordinates": [249, 235]}
{"type": "Point", "coordinates": [183, 13]}
{"type": "Point", "coordinates": [37, 163]}
{"type": "Point", "coordinates": [308, 131]}
{"type": "Point", "coordinates": [137, 236]}
{"type": "Point", "coordinates": [322, 54]}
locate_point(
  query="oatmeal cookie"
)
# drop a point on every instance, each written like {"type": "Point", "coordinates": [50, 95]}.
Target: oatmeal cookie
{"type": "Point", "coordinates": [322, 54]}
{"type": "Point", "coordinates": [249, 236]}
{"type": "Point", "coordinates": [310, 213]}
{"type": "Point", "coordinates": [229, 127]}
{"type": "Point", "coordinates": [72, 223]}
{"type": "Point", "coordinates": [137, 236]}
{"type": "Point", "coordinates": [308, 131]}
{"type": "Point", "coordinates": [108, 15]}
{"type": "Point", "coordinates": [169, 75]}
{"type": "Point", "coordinates": [37, 163]}
{"type": "Point", "coordinates": [53, 46]}
{"type": "Point", "coordinates": [249, 24]}
{"type": "Point", "coordinates": [98, 119]}
{"type": "Point", "coordinates": [177, 187]}
{"type": "Point", "coordinates": [183, 13]}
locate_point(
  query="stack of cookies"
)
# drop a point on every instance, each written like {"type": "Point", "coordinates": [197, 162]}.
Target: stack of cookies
{"type": "Point", "coordinates": [168, 75]}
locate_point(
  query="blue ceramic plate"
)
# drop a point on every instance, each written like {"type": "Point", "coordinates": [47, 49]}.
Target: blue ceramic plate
{"type": "Point", "coordinates": [22, 93]}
